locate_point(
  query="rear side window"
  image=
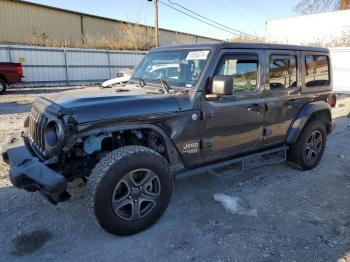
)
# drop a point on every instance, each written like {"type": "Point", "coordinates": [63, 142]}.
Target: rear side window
{"type": "Point", "coordinates": [243, 68]}
{"type": "Point", "coordinates": [316, 70]}
{"type": "Point", "coordinates": [283, 72]}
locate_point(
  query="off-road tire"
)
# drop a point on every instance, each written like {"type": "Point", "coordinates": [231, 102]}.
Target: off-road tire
{"type": "Point", "coordinates": [105, 177]}
{"type": "Point", "coordinates": [3, 86]}
{"type": "Point", "coordinates": [297, 152]}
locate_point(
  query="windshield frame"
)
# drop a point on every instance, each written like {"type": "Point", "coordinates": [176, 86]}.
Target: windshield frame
{"type": "Point", "coordinates": [157, 82]}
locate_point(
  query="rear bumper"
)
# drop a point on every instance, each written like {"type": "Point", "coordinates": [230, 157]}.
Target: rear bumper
{"type": "Point", "coordinates": [29, 173]}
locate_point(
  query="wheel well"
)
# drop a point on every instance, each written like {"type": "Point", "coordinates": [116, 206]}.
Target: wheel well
{"type": "Point", "coordinates": [299, 125]}
{"type": "Point", "coordinates": [89, 150]}
{"type": "Point", "coordinates": [2, 77]}
{"type": "Point", "coordinates": [145, 136]}
{"type": "Point", "coordinates": [325, 116]}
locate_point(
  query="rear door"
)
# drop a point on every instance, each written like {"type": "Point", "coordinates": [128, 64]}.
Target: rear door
{"type": "Point", "coordinates": [232, 124]}
{"type": "Point", "coordinates": [284, 100]}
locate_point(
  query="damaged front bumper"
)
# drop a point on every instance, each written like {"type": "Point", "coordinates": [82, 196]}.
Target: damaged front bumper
{"type": "Point", "coordinates": [29, 173]}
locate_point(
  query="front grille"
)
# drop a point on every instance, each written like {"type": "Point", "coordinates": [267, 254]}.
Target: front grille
{"type": "Point", "coordinates": [36, 129]}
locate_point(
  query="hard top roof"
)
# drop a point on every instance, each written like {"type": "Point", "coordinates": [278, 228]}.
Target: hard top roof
{"type": "Point", "coordinates": [233, 45]}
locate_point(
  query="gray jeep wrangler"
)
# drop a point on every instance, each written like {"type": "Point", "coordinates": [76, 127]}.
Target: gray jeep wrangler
{"type": "Point", "coordinates": [188, 109]}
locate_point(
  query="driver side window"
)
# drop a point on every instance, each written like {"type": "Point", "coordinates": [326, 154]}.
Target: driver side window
{"type": "Point", "coordinates": [244, 69]}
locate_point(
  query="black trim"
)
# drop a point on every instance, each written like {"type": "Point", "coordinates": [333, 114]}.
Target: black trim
{"type": "Point", "coordinates": [304, 116]}
{"type": "Point", "coordinates": [231, 45]}
{"type": "Point", "coordinates": [243, 161]}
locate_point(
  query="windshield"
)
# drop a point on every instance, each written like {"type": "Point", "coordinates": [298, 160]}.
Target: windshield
{"type": "Point", "coordinates": [177, 67]}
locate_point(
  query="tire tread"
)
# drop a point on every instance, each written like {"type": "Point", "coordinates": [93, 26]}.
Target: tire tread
{"type": "Point", "coordinates": [102, 167]}
{"type": "Point", "coordinates": [296, 150]}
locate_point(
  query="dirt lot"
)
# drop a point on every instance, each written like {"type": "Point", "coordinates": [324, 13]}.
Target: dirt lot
{"type": "Point", "coordinates": [302, 216]}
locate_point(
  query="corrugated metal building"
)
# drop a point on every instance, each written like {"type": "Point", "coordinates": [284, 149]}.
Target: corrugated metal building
{"type": "Point", "coordinates": [21, 20]}
{"type": "Point", "coordinates": [48, 66]}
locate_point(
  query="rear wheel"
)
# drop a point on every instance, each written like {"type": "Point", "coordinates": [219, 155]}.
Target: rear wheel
{"type": "Point", "coordinates": [3, 86]}
{"type": "Point", "coordinates": [129, 189]}
{"type": "Point", "coordinates": [307, 152]}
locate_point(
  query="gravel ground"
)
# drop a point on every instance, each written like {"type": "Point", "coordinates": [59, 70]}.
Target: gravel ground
{"type": "Point", "coordinates": [302, 216]}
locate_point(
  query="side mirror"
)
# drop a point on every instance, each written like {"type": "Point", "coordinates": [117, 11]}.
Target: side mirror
{"type": "Point", "coordinates": [222, 85]}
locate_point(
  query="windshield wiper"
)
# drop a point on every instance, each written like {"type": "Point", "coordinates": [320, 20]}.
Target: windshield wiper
{"type": "Point", "coordinates": [138, 80]}
{"type": "Point", "coordinates": [165, 85]}
{"type": "Point", "coordinates": [141, 81]}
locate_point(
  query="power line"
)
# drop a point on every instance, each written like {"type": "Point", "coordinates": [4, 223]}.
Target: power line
{"type": "Point", "coordinates": [193, 12]}
{"type": "Point", "coordinates": [238, 13]}
{"type": "Point", "coordinates": [248, 7]}
{"type": "Point", "coordinates": [198, 19]}
{"type": "Point", "coordinates": [258, 6]}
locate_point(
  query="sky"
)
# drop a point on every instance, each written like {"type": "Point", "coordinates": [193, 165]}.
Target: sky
{"type": "Point", "coordinates": [248, 16]}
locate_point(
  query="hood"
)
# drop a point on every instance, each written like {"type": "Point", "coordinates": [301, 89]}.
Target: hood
{"type": "Point", "coordinates": [102, 104]}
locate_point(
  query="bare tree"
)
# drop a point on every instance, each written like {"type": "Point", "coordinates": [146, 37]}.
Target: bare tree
{"type": "Point", "coordinates": [344, 4]}
{"type": "Point", "coordinates": [307, 7]}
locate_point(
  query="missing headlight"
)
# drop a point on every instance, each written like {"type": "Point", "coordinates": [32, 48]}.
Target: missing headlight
{"type": "Point", "coordinates": [53, 133]}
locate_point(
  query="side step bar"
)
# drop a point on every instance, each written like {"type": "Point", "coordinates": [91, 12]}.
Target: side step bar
{"type": "Point", "coordinates": [236, 166]}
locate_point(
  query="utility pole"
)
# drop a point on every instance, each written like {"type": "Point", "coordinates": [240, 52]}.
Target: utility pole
{"type": "Point", "coordinates": [156, 30]}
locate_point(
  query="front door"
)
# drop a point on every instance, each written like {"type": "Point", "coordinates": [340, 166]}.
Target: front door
{"type": "Point", "coordinates": [233, 124]}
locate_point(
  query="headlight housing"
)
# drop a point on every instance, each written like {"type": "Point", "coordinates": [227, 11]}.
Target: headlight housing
{"type": "Point", "coordinates": [53, 136]}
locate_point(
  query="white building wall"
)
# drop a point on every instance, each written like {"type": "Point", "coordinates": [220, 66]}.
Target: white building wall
{"type": "Point", "coordinates": [308, 29]}
{"type": "Point", "coordinates": [341, 69]}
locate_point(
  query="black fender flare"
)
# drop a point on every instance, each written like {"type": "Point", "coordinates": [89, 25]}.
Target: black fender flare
{"type": "Point", "coordinates": [303, 117]}
{"type": "Point", "coordinates": [174, 156]}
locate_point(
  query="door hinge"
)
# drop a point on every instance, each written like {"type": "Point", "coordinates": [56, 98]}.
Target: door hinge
{"type": "Point", "coordinates": [207, 115]}
{"type": "Point", "coordinates": [266, 107]}
{"type": "Point", "coordinates": [207, 143]}
{"type": "Point", "coordinates": [267, 131]}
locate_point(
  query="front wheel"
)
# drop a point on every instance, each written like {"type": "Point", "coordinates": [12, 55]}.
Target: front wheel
{"type": "Point", "coordinates": [129, 189]}
{"type": "Point", "coordinates": [3, 87]}
{"type": "Point", "coordinates": [307, 152]}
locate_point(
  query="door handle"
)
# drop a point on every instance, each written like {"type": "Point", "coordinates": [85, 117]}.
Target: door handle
{"type": "Point", "coordinates": [255, 108]}
{"type": "Point", "coordinates": [207, 114]}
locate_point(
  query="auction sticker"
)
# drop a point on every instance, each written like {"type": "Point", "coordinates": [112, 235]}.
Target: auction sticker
{"type": "Point", "coordinates": [198, 55]}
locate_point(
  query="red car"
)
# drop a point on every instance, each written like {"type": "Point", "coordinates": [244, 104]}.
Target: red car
{"type": "Point", "coordinates": [10, 73]}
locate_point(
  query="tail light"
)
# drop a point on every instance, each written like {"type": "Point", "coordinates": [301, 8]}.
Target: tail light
{"type": "Point", "coordinates": [19, 70]}
{"type": "Point", "coordinates": [332, 101]}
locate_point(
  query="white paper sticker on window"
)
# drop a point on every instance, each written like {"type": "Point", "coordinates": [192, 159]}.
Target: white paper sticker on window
{"type": "Point", "coordinates": [198, 55]}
